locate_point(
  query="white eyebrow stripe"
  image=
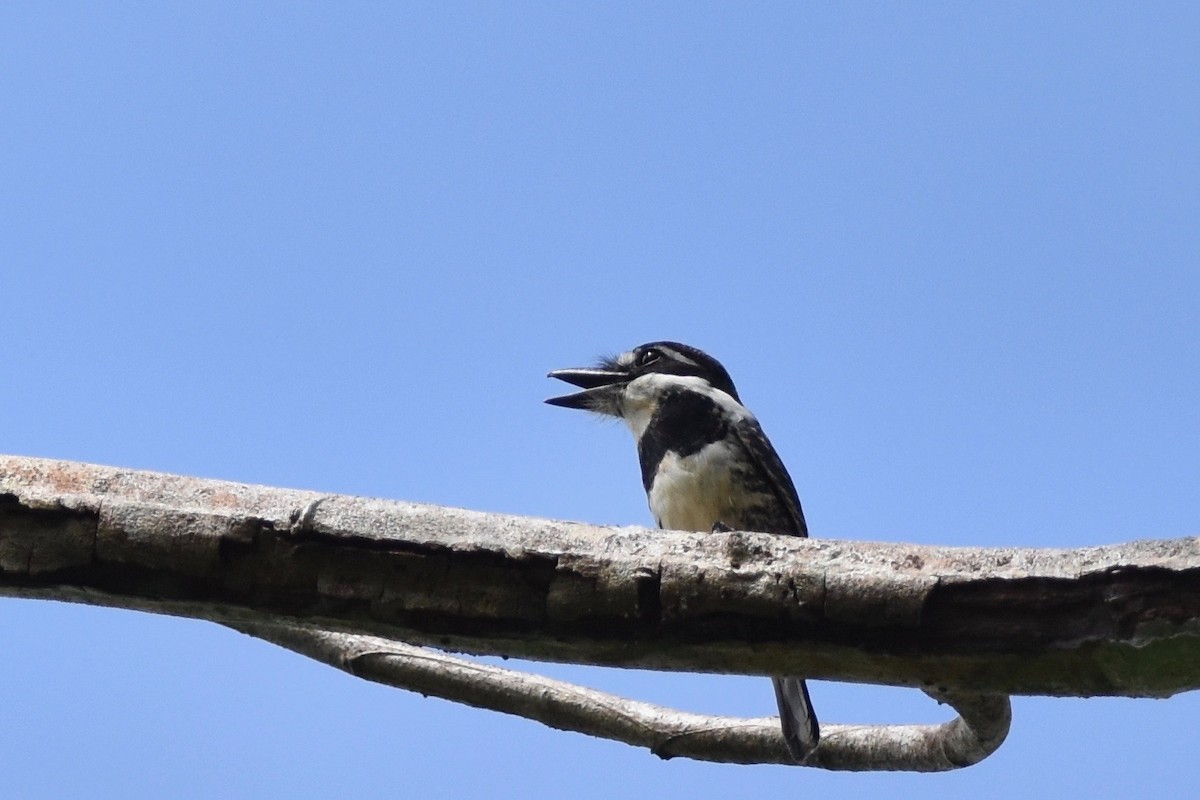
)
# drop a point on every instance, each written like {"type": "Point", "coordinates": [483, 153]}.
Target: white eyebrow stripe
{"type": "Point", "coordinates": [678, 356]}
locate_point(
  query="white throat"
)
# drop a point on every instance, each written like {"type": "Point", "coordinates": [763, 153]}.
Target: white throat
{"type": "Point", "coordinates": [641, 397]}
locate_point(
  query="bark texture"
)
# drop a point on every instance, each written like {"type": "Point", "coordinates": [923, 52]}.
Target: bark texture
{"type": "Point", "coordinates": [1118, 620]}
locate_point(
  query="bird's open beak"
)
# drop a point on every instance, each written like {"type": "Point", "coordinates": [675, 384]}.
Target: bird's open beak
{"type": "Point", "coordinates": [601, 389]}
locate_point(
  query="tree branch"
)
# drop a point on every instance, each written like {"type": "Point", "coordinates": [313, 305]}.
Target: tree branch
{"type": "Point", "coordinates": [666, 732]}
{"type": "Point", "coordinates": [971, 623]}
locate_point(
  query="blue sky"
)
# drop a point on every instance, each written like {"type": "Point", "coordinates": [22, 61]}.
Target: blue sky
{"type": "Point", "coordinates": [949, 253]}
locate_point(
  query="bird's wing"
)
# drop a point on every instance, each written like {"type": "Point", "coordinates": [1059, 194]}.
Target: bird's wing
{"type": "Point", "coordinates": [772, 471]}
{"type": "Point", "coordinates": [801, 732]}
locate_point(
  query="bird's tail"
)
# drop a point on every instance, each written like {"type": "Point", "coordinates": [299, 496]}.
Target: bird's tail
{"type": "Point", "coordinates": [800, 729]}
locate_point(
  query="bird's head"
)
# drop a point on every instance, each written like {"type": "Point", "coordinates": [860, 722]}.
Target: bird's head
{"type": "Point", "coordinates": [606, 385]}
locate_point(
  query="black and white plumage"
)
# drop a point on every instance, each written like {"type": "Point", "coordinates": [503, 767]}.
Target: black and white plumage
{"type": "Point", "coordinates": [706, 464]}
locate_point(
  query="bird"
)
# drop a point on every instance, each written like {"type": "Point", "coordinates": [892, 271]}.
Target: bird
{"type": "Point", "coordinates": [706, 465]}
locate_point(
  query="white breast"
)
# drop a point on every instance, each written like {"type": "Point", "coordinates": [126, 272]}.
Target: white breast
{"type": "Point", "coordinates": [694, 492]}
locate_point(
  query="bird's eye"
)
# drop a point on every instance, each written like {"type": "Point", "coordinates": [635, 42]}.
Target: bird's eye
{"type": "Point", "coordinates": [649, 357]}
